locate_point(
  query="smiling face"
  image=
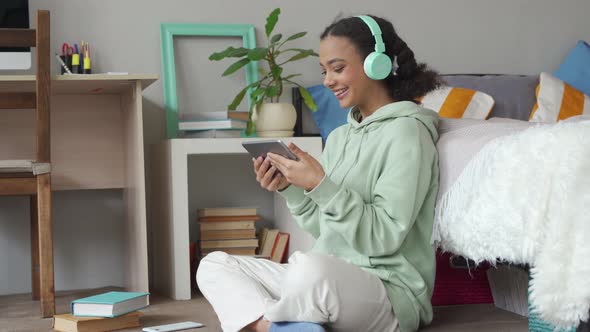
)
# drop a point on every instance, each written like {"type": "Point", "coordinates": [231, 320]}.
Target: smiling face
{"type": "Point", "coordinates": [342, 67]}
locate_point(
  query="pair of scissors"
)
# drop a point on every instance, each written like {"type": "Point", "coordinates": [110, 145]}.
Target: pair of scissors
{"type": "Point", "coordinates": [66, 49]}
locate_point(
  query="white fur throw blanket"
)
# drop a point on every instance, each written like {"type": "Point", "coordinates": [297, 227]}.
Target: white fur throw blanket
{"type": "Point", "coordinates": [518, 193]}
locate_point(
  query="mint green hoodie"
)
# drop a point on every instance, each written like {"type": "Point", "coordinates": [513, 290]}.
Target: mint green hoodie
{"type": "Point", "coordinates": [375, 206]}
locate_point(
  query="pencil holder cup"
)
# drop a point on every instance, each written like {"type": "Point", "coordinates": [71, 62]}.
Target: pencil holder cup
{"type": "Point", "coordinates": [67, 59]}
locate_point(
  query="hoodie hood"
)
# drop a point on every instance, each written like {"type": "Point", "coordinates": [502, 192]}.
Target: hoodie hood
{"type": "Point", "coordinates": [392, 111]}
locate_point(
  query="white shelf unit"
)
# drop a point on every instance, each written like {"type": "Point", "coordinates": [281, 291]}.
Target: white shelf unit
{"type": "Point", "coordinates": [170, 208]}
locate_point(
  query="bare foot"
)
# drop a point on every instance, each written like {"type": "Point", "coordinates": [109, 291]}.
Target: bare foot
{"type": "Point", "coordinates": [261, 325]}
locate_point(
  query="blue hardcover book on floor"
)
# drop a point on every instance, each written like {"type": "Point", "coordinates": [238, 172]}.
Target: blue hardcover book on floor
{"type": "Point", "coordinates": [111, 304]}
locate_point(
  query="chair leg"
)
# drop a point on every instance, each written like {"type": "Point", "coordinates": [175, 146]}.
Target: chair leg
{"type": "Point", "coordinates": [45, 245]}
{"type": "Point", "coordinates": [34, 248]}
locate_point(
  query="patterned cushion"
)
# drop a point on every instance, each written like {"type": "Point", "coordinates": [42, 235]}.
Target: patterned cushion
{"type": "Point", "coordinates": [514, 95]}
{"type": "Point", "coordinates": [557, 100]}
{"type": "Point", "coordinates": [454, 102]}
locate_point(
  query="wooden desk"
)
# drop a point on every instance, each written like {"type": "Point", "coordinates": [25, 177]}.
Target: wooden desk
{"type": "Point", "coordinates": [96, 143]}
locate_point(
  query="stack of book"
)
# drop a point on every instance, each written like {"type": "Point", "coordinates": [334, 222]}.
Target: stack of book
{"type": "Point", "coordinates": [228, 229]}
{"type": "Point", "coordinates": [213, 124]}
{"type": "Point", "coordinates": [103, 312]}
{"type": "Point", "coordinates": [274, 244]}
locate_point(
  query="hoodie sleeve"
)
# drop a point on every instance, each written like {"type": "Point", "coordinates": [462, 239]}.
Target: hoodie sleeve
{"type": "Point", "coordinates": [380, 227]}
{"type": "Point", "coordinates": [303, 209]}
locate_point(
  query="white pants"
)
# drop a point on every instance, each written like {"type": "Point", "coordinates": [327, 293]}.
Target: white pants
{"type": "Point", "coordinates": [310, 288]}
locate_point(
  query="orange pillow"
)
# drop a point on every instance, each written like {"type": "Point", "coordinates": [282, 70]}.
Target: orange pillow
{"type": "Point", "coordinates": [458, 103]}
{"type": "Point", "coordinates": [557, 100]}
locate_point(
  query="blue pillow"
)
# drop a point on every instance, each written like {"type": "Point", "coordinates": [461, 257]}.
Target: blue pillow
{"type": "Point", "coordinates": [575, 69]}
{"type": "Point", "coordinates": [329, 115]}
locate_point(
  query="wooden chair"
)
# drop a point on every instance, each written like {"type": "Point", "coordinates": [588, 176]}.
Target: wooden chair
{"type": "Point", "coordinates": [33, 177]}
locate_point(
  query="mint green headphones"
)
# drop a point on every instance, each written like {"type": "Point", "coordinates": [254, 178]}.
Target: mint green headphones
{"type": "Point", "coordinates": [377, 64]}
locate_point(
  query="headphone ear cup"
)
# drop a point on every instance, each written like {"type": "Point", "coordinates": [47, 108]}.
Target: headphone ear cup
{"type": "Point", "coordinates": [377, 66]}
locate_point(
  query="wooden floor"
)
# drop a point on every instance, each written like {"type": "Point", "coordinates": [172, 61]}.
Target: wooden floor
{"type": "Point", "coordinates": [19, 313]}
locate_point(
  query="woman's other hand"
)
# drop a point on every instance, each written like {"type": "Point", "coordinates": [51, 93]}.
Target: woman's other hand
{"type": "Point", "coordinates": [265, 175]}
{"type": "Point", "coordinates": [306, 173]}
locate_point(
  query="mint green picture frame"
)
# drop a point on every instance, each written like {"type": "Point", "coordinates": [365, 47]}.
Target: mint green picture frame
{"type": "Point", "coordinates": [167, 33]}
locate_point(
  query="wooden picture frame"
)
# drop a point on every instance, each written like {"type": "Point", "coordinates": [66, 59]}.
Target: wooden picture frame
{"type": "Point", "coordinates": [167, 33]}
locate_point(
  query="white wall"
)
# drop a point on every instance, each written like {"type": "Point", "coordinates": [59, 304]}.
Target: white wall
{"type": "Point", "coordinates": [453, 36]}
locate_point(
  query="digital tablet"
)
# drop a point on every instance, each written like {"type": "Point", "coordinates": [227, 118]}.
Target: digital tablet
{"type": "Point", "coordinates": [261, 148]}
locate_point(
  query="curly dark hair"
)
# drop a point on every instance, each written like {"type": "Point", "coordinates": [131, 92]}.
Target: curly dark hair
{"type": "Point", "coordinates": [412, 80]}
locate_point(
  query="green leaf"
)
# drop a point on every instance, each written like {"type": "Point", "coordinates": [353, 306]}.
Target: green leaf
{"type": "Point", "coordinates": [230, 52]}
{"type": "Point", "coordinates": [297, 35]}
{"type": "Point", "coordinates": [238, 52]}
{"type": "Point", "coordinates": [217, 56]}
{"type": "Point", "coordinates": [257, 92]}
{"type": "Point", "coordinates": [291, 76]}
{"type": "Point", "coordinates": [295, 50]}
{"type": "Point", "coordinates": [220, 55]}
{"type": "Point", "coordinates": [272, 91]}
{"type": "Point", "coordinates": [237, 100]}
{"type": "Point", "coordinates": [235, 66]}
{"type": "Point", "coordinates": [240, 96]}
{"type": "Point", "coordinates": [301, 55]}
{"type": "Point", "coordinates": [271, 21]}
{"type": "Point", "coordinates": [257, 53]}
{"type": "Point", "coordinates": [300, 50]}
{"type": "Point", "coordinates": [276, 38]}
{"type": "Point", "coordinates": [276, 72]}
{"type": "Point", "coordinates": [308, 99]}
{"type": "Point", "coordinates": [259, 100]}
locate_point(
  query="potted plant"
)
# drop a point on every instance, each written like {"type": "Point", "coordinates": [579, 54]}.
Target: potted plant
{"type": "Point", "coordinates": [269, 116]}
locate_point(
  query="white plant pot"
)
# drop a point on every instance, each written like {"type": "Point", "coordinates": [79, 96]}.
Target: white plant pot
{"type": "Point", "coordinates": [274, 120]}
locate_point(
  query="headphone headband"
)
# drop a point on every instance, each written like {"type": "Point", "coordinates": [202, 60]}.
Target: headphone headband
{"type": "Point", "coordinates": [375, 31]}
{"type": "Point", "coordinates": [377, 64]}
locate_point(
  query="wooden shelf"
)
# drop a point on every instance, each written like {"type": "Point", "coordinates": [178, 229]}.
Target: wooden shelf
{"type": "Point", "coordinates": [96, 143]}
{"type": "Point", "coordinates": [78, 84]}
